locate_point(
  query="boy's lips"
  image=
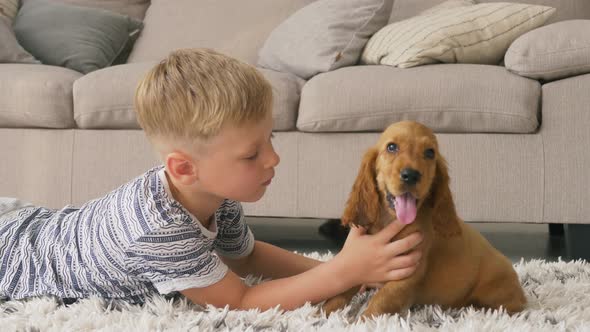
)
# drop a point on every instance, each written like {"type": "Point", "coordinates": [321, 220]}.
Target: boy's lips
{"type": "Point", "coordinates": [266, 183]}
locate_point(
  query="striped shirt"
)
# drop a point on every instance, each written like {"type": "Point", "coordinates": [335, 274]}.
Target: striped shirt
{"type": "Point", "coordinates": [135, 241]}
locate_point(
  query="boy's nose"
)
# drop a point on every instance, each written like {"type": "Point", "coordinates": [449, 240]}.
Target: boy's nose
{"type": "Point", "coordinates": [274, 158]}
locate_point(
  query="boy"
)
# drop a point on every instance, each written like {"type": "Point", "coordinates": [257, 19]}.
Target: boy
{"type": "Point", "coordinates": [180, 227]}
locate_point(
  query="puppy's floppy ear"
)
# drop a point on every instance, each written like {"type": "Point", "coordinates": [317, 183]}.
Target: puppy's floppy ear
{"type": "Point", "coordinates": [444, 215]}
{"type": "Point", "coordinates": [364, 204]}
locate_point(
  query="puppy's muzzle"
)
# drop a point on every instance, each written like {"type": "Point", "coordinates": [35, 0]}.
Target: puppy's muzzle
{"type": "Point", "coordinates": [410, 176]}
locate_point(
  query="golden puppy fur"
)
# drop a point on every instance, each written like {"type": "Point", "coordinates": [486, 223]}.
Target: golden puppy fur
{"type": "Point", "coordinates": [459, 267]}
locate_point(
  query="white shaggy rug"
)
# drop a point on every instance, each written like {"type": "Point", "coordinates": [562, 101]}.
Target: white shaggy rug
{"type": "Point", "coordinates": [558, 294]}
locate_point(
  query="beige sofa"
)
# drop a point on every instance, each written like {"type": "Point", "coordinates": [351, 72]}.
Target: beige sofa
{"type": "Point", "coordinates": [519, 154]}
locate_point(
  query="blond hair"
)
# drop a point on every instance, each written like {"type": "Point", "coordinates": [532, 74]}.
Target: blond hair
{"type": "Point", "coordinates": [194, 92]}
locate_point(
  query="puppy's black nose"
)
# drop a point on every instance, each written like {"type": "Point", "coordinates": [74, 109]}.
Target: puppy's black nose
{"type": "Point", "coordinates": [410, 176]}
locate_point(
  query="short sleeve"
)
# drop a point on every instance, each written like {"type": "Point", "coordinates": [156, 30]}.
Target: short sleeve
{"type": "Point", "coordinates": [234, 238]}
{"type": "Point", "coordinates": [175, 260]}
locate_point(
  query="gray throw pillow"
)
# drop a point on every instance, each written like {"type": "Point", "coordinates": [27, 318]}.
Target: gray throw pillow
{"type": "Point", "coordinates": [133, 8]}
{"type": "Point", "coordinates": [10, 50]}
{"type": "Point", "coordinates": [80, 38]}
{"type": "Point", "coordinates": [323, 36]}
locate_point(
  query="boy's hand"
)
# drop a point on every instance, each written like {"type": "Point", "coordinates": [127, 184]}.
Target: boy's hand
{"type": "Point", "coordinates": [374, 258]}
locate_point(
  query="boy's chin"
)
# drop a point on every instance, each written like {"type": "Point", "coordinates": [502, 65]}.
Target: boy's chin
{"type": "Point", "coordinates": [255, 197]}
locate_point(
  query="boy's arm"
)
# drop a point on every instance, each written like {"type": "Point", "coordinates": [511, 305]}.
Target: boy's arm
{"type": "Point", "coordinates": [363, 259]}
{"type": "Point", "coordinates": [289, 293]}
{"type": "Point", "coordinates": [270, 261]}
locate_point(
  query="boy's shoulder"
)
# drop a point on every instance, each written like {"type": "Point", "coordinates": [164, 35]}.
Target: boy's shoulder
{"type": "Point", "coordinates": [157, 212]}
{"type": "Point", "coordinates": [143, 206]}
{"type": "Point", "coordinates": [137, 185]}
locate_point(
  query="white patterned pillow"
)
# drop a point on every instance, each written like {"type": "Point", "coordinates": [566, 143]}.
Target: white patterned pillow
{"type": "Point", "coordinates": [478, 33]}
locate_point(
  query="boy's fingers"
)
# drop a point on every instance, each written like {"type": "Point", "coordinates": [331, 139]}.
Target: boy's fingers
{"type": "Point", "coordinates": [400, 274]}
{"type": "Point", "coordinates": [391, 230]}
{"type": "Point", "coordinates": [404, 245]}
{"type": "Point", "coordinates": [404, 261]}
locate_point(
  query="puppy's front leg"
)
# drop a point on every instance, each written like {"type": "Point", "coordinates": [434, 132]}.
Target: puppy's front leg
{"type": "Point", "coordinates": [339, 301]}
{"type": "Point", "coordinates": [394, 297]}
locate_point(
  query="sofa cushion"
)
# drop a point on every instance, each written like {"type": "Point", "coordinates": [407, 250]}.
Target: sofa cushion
{"type": "Point", "coordinates": [286, 95]}
{"type": "Point", "coordinates": [36, 96]}
{"type": "Point", "coordinates": [8, 9]}
{"type": "Point", "coordinates": [104, 99]}
{"type": "Point", "coordinates": [456, 98]}
{"type": "Point", "coordinates": [236, 28]}
{"type": "Point", "coordinates": [11, 51]}
{"type": "Point", "coordinates": [566, 9]}
{"type": "Point", "coordinates": [86, 39]}
{"type": "Point", "coordinates": [476, 33]}
{"type": "Point", "coordinates": [329, 34]}
{"type": "Point", "coordinates": [552, 52]}
{"type": "Point", "coordinates": [448, 4]}
{"type": "Point", "coordinates": [133, 8]}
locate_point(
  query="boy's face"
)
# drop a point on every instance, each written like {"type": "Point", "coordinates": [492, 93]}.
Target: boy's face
{"type": "Point", "coordinates": [239, 162]}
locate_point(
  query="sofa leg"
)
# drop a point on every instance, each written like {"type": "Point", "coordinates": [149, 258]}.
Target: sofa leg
{"type": "Point", "coordinates": [556, 230]}
{"type": "Point", "coordinates": [577, 241]}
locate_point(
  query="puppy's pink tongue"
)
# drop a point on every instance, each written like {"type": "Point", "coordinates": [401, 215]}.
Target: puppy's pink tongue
{"type": "Point", "coordinates": [405, 208]}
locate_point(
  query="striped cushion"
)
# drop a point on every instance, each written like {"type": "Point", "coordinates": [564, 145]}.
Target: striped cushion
{"type": "Point", "coordinates": [478, 33]}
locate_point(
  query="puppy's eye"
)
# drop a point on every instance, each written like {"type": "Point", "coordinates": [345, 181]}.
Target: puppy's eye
{"type": "Point", "coordinates": [392, 147]}
{"type": "Point", "coordinates": [429, 153]}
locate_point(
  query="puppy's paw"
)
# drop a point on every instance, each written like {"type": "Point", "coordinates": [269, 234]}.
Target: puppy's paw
{"type": "Point", "coordinates": [370, 313]}
{"type": "Point", "coordinates": [333, 304]}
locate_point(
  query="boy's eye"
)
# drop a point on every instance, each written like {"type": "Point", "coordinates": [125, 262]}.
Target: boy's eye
{"type": "Point", "coordinates": [253, 157]}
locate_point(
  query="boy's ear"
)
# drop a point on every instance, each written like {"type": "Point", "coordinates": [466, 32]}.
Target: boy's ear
{"type": "Point", "coordinates": [181, 167]}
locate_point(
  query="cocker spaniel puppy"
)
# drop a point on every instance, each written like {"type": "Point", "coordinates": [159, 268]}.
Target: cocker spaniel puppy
{"type": "Point", "coordinates": [404, 178]}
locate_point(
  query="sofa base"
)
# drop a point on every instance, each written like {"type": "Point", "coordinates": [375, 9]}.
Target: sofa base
{"type": "Point", "coordinates": [577, 241]}
{"type": "Point", "coordinates": [494, 177]}
{"type": "Point", "coordinates": [576, 236]}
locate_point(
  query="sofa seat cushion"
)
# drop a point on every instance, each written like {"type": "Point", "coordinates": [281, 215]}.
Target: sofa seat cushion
{"type": "Point", "coordinates": [34, 95]}
{"type": "Point", "coordinates": [454, 98]}
{"type": "Point", "coordinates": [103, 99]}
